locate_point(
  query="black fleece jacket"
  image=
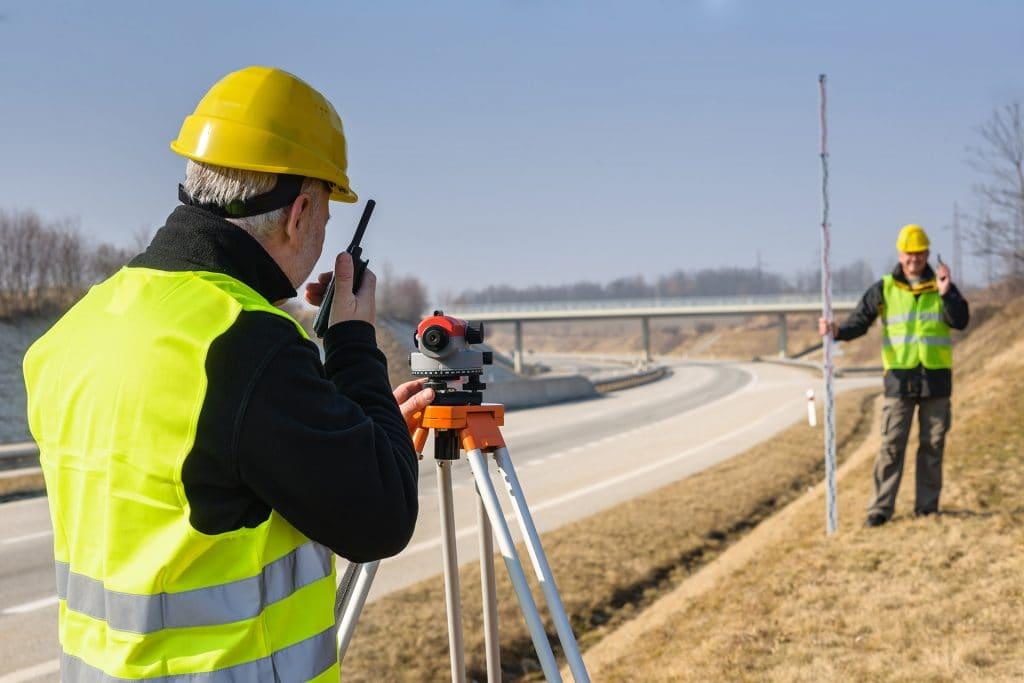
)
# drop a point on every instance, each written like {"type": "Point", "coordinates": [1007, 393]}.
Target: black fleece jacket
{"type": "Point", "coordinates": [323, 444]}
{"type": "Point", "coordinates": [919, 382]}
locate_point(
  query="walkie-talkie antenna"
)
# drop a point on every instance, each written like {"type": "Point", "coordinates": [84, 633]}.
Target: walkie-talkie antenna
{"type": "Point", "coordinates": [364, 220]}
{"type": "Point", "coordinates": [323, 316]}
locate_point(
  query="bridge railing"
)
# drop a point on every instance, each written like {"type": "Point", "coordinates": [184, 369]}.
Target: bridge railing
{"type": "Point", "coordinates": [657, 302]}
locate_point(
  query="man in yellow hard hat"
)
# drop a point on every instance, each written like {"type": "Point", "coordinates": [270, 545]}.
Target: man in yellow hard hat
{"type": "Point", "coordinates": [203, 466]}
{"type": "Point", "coordinates": [918, 307]}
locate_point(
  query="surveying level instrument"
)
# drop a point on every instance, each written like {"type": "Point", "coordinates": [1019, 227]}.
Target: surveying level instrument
{"type": "Point", "coordinates": [461, 421]}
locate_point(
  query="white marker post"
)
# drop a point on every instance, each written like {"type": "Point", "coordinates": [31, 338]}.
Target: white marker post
{"type": "Point", "coordinates": [832, 520]}
{"type": "Point", "coordinates": [812, 413]}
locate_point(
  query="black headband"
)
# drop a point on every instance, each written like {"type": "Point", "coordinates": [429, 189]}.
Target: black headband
{"type": "Point", "coordinates": [281, 195]}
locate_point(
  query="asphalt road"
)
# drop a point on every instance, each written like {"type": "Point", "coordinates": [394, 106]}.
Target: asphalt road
{"type": "Point", "coordinates": [573, 460]}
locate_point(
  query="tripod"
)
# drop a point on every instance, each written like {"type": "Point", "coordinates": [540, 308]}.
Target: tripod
{"type": "Point", "coordinates": [475, 429]}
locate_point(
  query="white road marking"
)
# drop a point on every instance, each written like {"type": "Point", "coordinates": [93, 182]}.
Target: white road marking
{"type": "Point", "coordinates": [27, 537]}
{"type": "Point", "coordinates": [41, 500]}
{"type": "Point", "coordinates": [607, 483]}
{"type": "Point", "coordinates": [32, 672]}
{"type": "Point", "coordinates": [650, 467]}
{"type": "Point", "coordinates": [42, 603]}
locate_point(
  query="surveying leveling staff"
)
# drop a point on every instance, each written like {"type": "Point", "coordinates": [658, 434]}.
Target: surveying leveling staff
{"type": "Point", "coordinates": [918, 308]}
{"type": "Point", "coordinates": [201, 463]}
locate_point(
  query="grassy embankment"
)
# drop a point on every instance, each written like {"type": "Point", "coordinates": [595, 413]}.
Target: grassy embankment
{"type": "Point", "coordinates": [609, 566]}
{"type": "Point", "coordinates": [919, 599]}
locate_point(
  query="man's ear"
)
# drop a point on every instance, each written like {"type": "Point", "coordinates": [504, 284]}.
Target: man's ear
{"type": "Point", "coordinates": [297, 217]}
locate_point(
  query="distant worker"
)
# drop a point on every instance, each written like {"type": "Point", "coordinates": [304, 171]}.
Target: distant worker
{"type": "Point", "coordinates": [203, 466]}
{"type": "Point", "coordinates": [918, 307]}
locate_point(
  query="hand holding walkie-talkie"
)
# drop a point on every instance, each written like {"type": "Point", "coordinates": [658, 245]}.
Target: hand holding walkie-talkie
{"type": "Point", "coordinates": [323, 316]}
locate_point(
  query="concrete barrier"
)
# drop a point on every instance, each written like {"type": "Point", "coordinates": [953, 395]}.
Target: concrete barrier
{"type": "Point", "coordinates": [529, 393]}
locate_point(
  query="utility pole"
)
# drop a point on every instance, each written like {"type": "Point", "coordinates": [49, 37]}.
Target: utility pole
{"type": "Point", "coordinates": [759, 281]}
{"type": "Point", "coordinates": [957, 245]}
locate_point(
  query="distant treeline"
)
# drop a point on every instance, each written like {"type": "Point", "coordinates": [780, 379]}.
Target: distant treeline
{"type": "Point", "coordinates": [854, 277]}
{"type": "Point", "coordinates": [46, 265]}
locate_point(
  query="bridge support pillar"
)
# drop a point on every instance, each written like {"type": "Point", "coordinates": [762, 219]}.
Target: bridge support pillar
{"type": "Point", "coordinates": [645, 356]}
{"type": "Point", "coordinates": [783, 336]}
{"type": "Point", "coordinates": [517, 355]}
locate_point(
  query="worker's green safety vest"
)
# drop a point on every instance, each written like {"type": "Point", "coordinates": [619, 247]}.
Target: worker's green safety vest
{"type": "Point", "coordinates": [114, 395]}
{"type": "Point", "coordinates": [914, 330]}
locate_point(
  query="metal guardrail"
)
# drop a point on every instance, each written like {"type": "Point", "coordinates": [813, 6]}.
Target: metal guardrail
{"type": "Point", "coordinates": [15, 455]}
{"type": "Point", "coordinates": [633, 380]}
{"type": "Point", "coordinates": [18, 450]}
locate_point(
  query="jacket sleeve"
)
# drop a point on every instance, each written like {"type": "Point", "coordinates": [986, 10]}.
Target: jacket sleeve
{"type": "Point", "coordinates": [327, 448]}
{"type": "Point", "coordinates": [863, 316]}
{"type": "Point", "coordinates": [954, 308]}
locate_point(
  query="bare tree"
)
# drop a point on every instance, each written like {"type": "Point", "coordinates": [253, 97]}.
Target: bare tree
{"type": "Point", "coordinates": [68, 262]}
{"type": "Point", "coordinates": [47, 265]}
{"type": "Point", "coordinates": [402, 298]}
{"type": "Point", "coordinates": [106, 260]}
{"type": "Point", "coordinates": [998, 229]}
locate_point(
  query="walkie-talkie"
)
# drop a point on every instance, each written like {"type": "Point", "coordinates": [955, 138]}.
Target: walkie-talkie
{"type": "Point", "coordinates": [323, 316]}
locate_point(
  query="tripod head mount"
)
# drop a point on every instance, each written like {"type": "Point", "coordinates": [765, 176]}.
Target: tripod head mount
{"type": "Point", "coordinates": [446, 358]}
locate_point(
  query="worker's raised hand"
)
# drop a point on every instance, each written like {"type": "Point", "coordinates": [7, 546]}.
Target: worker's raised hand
{"type": "Point", "coordinates": [348, 306]}
{"type": "Point", "coordinates": [942, 279]}
{"type": "Point", "coordinates": [824, 327]}
{"type": "Point", "coordinates": [412, 398]}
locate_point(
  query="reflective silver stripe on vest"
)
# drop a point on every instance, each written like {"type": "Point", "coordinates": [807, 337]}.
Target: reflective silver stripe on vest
{"type": "Point", "coordinates": [297, 663]}
{"type": "Point", "coordinates": [927, 341]}
{"type": "Point", "coordinates": [897, 319]}
{"type": "Point", "coordinates": [223, 604]}
{"type": "Point", "coordinates": [911, 317]}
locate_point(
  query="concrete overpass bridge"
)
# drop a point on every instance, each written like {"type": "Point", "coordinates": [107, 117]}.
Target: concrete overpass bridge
{"type": "Point", "coordinates": [645, 309]}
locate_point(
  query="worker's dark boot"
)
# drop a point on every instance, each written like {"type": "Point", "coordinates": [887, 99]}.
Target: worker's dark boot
{"type": "Point", "coordinates": [875, 519]}
{"type": "Point", "coordinates": [924, 512]}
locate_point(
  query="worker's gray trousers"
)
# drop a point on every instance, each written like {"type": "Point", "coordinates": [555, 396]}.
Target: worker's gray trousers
{"type": "Point", "coordinates": [934, 418]}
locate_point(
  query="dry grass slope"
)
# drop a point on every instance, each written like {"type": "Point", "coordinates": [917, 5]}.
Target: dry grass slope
{"type": "Point", "coordinates": [929, 599]}
{"type": "Point", "coordinates": [609, 566]}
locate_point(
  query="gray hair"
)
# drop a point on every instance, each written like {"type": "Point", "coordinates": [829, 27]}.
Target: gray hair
{"type": "Point", "coordinates": [209, 184]}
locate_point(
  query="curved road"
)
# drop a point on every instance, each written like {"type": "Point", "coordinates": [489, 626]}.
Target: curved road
{"type": "Point", "coordinates": [573, 460]}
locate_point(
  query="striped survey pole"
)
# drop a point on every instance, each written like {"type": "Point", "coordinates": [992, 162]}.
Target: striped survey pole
{"type": "Point", "coordinates": [826, 313]}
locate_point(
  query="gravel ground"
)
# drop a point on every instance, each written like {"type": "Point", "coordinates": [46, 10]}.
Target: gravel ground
{"type": "Point", "coordinates": [15, 338]}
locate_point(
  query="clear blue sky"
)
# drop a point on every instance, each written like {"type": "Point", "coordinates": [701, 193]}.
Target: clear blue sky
{"type": "Point", "coordinates": [528, 142]}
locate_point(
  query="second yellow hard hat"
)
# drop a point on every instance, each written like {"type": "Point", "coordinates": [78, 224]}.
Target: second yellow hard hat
{"type": "Point", "coordinates": [912, 238]}
{"type": "Point", "coordinates": [265, 119]}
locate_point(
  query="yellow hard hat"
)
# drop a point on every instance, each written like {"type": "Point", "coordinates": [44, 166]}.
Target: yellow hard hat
{"type": "Point", "coordinates": [912, 238]}
{"type": "Point", "coordinates": [266, 119]}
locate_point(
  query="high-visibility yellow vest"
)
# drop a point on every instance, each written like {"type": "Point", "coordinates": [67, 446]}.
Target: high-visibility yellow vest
{"type": "Point", "coordinates": [114, 395]}
{"type": "Point", "coordinates": [914, 330]}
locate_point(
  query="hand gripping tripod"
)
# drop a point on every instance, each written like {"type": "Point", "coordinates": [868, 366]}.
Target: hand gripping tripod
{"type": "Point", "coordinates": [460, 420]}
